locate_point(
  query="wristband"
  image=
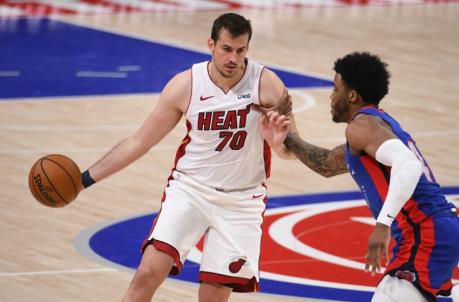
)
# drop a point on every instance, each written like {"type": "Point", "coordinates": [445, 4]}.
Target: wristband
{"type": "Point", "coordinates": [86, 179]}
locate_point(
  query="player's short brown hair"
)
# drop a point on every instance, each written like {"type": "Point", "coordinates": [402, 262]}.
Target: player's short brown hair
{"type": "Point", "coordinates": [236, 24]}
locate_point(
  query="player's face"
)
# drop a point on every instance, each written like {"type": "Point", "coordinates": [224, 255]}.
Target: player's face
{"type": "Point", "coordinates": [340, 100]}
{"type": "Point", "coordinates": [228, 53]}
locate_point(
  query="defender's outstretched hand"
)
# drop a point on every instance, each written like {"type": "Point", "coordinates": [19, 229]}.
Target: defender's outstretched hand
{"type": "Point", "coordinates": [275, 128]}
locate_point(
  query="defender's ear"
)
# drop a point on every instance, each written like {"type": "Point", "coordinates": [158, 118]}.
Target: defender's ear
{"type": "Point", "coordinates": [354, 96]}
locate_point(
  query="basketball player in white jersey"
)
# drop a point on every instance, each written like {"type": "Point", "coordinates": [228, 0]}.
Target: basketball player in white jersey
{"type": "Point", "coordinates": [216, 188]}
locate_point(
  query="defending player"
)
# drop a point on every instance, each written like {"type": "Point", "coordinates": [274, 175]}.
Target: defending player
{"type": "Point", "coordinates": [394, 178]}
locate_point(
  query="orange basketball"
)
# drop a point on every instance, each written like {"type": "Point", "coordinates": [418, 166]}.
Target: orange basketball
{"type": "Point", "coordinates": [55, 180]}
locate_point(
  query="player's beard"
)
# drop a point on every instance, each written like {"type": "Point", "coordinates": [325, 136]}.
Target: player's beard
{"type": "Point", "coordinates": [340, 111]}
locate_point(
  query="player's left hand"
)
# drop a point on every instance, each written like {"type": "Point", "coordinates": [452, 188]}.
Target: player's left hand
{"type": "Point", "coordinates": [378, 247]}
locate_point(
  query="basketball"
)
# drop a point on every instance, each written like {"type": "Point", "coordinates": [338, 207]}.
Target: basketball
{"type": "Point", "coordinates": [55, 180]}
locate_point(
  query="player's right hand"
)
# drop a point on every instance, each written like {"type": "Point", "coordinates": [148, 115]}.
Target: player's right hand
{"type": "Point", "coordinates": [378, 247]}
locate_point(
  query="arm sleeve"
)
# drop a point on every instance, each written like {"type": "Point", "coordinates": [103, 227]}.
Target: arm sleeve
{"type": "Point", "coordinates": [405, 173]}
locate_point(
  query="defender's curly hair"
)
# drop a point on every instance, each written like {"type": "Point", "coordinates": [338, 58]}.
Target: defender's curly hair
{"type": "Point", "coordinates": [366, 74]}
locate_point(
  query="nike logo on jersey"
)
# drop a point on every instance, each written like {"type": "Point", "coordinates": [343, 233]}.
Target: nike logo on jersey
{"type": "Point", "coordinates": [257, 196]}
{"type": "Point", "coordinates": [203, 98]}
{"type": "Point", "coordinates": [390, 216]}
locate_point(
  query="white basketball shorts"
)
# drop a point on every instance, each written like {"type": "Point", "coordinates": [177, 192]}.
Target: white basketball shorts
{"type": "Point", "coordinates": [393, 289]}
{"type": "Point", "coordinates": [229, 221]}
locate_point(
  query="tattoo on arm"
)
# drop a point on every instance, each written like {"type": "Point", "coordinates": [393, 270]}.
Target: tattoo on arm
{"type": "Point", "coordinates": [323, 161]}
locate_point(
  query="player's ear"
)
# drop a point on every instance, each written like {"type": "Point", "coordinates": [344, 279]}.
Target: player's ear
{"type": "Point", "coordinates": [211, 44]}
{"type": "Point", "coordinates": [354, 96]}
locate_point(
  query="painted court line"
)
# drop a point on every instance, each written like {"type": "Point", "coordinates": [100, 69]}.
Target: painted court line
{"type": "Point", "coordinates": [129, 68]}
{"type": "Point", "coordinates": [10, 73]}
{"type": "Point", "coordinates": [100, 74]}
{"type": "Point", "coordinates": [74, 271]}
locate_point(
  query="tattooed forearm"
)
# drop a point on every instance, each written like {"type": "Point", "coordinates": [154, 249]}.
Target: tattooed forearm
{"type": "Point", "coordinates": [323, 161]}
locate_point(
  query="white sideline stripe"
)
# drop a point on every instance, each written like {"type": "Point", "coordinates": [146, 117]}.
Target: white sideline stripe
{"type": "Point", "coordinates": [141, 4]}
{"type": "Point", "coordinates": [73, 271]}
{"type": "Point", "coordinates": [100, 74]}
{"type": "Point", "coordinates": [6, 11]}
{"type": "Point", "coordinates": [10, 73]}
{"type": "Point", "coordinates": [78, 7]}
{"type": "Point", "coordinates": [129, 68]}
{"type": "Point", "coordinates": [201, 4]}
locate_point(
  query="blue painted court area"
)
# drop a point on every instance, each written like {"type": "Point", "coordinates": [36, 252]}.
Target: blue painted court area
{"type": "Point", "coordinates": [43, 58]}
{"type": "Point", "coordinates": [120, 243]}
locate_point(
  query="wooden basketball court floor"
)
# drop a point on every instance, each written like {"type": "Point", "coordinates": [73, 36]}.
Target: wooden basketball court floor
{"type": "Point", "coordinates": [38, 259]}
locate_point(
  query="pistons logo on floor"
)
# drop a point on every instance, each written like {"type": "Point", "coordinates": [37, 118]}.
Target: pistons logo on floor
{"type": "Point", "coordinates": [313, 246]}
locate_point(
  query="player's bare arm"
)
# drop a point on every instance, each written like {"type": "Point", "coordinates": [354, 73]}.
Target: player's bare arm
{"type": "Point", "coordinates": [375, 137]}
{"type": "Point", "coordinates": [276, 120]}
{"type": "Point", "coordinates": [326, 162]}
{"type": "Point", "coordinates": [172, 104]}
{"type": "Point", "coordinates": [274, 98]}
{"type": "Point", "coordinates": [283, 106]}
{"type": "Point", "coordinates": [272, 90]}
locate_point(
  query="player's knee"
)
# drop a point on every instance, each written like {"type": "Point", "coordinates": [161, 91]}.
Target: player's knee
{"type": "Point", "coordinates": [153, 269]}
{"type": "Point", "coordinates": [214, 292]}
{"type": "Point", "coordinates": [143, 277]}
{"type": "Point", "coordinates": [146, 277]}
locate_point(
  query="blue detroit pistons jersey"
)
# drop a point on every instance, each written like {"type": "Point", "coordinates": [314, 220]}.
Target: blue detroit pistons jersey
{"type": "Point", "coordinates": [372, 178]}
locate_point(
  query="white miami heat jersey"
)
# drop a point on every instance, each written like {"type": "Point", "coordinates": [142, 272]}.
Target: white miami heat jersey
{"type": "Point", "coordinates": [224, 147]}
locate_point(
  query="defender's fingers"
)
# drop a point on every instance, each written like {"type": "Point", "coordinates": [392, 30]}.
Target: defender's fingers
{"type": "Point", "coordinates": [285, 125]}
{"type": "Point", "coordinates": [281, 120]}
{"type": "Point", "coordinates": [264, 120]}
{"type": "Point", "coordinates": [367, 266]}
{"type": "Point", "coordinates": [273, 116]}
{"type": "Point", "coordinates": [386, 255]}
